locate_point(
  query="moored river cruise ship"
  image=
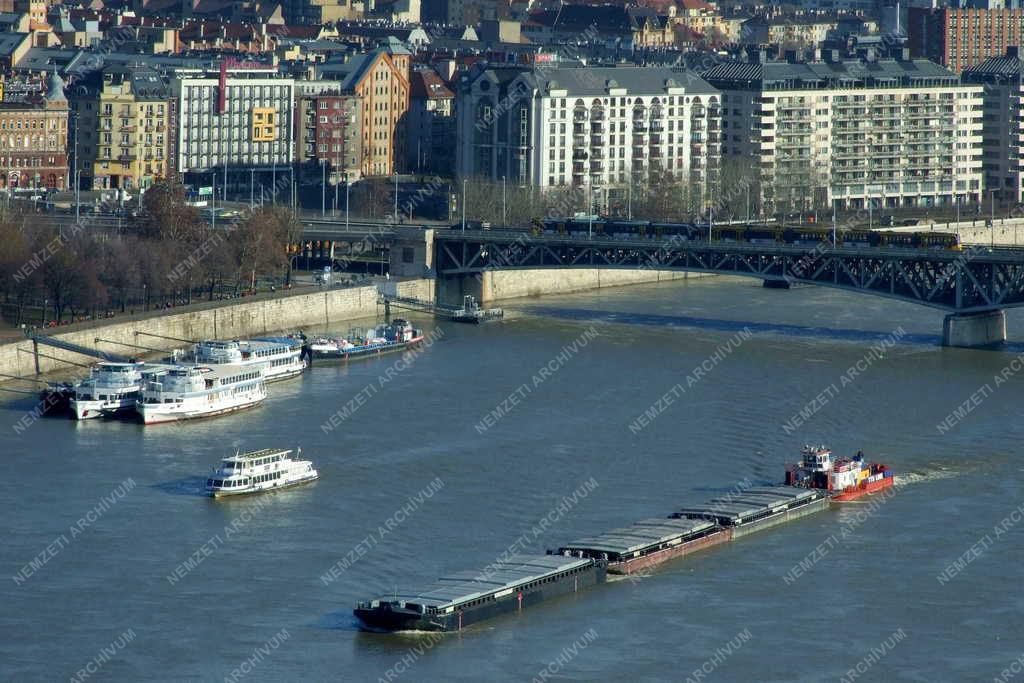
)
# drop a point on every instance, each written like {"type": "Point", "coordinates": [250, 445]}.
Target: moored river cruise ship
{"type": "Point", "coordinates": [111, 389]}
{"type": "Point", "coordinates": [189, 392]}
{"type": "Point", "coordinates": [280, 356]}
{"type": "Point", "coordinates": [269, 469]}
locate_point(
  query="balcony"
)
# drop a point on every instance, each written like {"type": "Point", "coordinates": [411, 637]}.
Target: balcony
{"type": "Point", "coordinates": [596, 115]}
{"type": "Point", "coordinates": [596, 129]}
{"type": "Point", "coordinates": [579, 154]}
{"type": "Point", "coordinates": [596, 166]}
{"type": "Point", "coordinates": [579, 116]}
{"type": "Point", "coordinates": [597, 140]}
{"type": "Point", "coordinates": [657, 126]}
{"type": "Point", "coordinates": [639, 127]}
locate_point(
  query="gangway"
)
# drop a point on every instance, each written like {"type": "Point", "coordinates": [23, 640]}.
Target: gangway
{"type": "Point", "coordinates": [47, 340]}
{"type": "Point", "coordinates": [469, 312]}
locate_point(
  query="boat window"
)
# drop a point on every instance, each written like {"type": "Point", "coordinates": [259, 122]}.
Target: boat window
{"type": "Point", "coordinates": [209, 482]}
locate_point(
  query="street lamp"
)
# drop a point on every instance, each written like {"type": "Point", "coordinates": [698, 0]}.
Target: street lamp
{"type": "Point", "coordinates": [463, 205]}
{"type": "Point", "coordinates": [323, 187]}
{"type": "Point", "coordinates": [74, 175]}
{"type": "Point", "coordinates": [346, 200]}
{"type": "Point", "coordinates": [396, 197]}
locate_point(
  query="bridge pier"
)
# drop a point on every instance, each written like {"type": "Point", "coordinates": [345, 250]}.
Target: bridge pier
{"type": "Point", "coordinates": [974, 330]}
{"type": "Point", "coordinates": [450, 289]}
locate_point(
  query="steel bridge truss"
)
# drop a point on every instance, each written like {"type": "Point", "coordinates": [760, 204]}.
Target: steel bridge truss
{"type": "Point", "coordinates": [968, 281]}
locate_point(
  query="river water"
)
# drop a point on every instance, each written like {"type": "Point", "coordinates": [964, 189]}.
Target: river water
{"type": "Point", "coordinates": [115, 567]}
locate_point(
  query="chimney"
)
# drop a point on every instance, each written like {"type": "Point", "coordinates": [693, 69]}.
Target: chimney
{"type": "Point", "coordinates": [1013, 51]}
{"type": "Point", "coordinates": [791, 56]}
{"type": "Point", "coordinates": [905, 54]}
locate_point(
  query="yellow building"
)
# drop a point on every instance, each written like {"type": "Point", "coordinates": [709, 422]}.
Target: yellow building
{"type": "Point", "coordinates": [133, 136]}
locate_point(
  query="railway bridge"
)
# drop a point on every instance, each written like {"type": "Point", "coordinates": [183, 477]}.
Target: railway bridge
{"type": "Point", "coordinates": [973, 286]}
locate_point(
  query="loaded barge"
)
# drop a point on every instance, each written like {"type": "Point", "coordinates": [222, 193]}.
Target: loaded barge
{"type": "Point", "coordinates": [758, 508]}
{"type": "Point", "coordinates": [648, 543]}
{"type": "Point", "coordinates": [454, 602]}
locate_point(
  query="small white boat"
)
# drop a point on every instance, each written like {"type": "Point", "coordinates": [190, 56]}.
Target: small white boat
{"type": "Point", "coordinates": [269, 469]}
{"type": "Point", "coordinates": [185, 393]}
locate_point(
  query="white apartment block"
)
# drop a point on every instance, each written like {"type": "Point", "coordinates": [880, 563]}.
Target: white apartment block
{"type": "Point", "coordinates": [239, 120]}
{"type": "Point", "coordinates": [1002, 123]}
{"type": "Point", "coordinates": [892, 132]}
{"type": "Point", "coordinates": [602, 128]}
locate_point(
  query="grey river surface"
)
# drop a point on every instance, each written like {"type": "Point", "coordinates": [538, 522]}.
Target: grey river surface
{"type": "Point", "coordinates": [148, 580]}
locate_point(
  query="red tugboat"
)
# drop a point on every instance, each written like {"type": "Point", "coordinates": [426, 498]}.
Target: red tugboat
{"type": "Point", "coordinates": [846, 478]}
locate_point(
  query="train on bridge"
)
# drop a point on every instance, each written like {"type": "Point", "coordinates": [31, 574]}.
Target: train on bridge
{"type": "Point", "coordinates": [754, 233]}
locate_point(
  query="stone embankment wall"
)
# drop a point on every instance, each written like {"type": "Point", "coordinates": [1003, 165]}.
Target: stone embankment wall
{"type": "Point", "coordinates": [245, 318]}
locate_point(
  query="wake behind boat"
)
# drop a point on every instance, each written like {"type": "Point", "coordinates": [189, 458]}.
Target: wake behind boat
{"type": "Point", "coordinates": [269, 469]}
{"type": "Point", "coordinates": [399, 335]}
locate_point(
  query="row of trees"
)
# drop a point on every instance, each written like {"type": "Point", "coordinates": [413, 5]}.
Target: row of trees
{"type": "Point", "coordinates": [731, 192]}
{"type": "Point", "coordinates": [169, 255]}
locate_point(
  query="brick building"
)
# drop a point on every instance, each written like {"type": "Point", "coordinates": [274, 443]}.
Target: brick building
{"type": "Point", "coordinates": [33, 139]}
{"type": "Point", "coordinates": [961, 38]}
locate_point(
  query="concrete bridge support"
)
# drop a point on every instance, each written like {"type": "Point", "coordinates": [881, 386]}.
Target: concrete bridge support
{"type": "Point", "coordinates": [450, 289]}
{"type": "Point", "coordinates": [974, 330]}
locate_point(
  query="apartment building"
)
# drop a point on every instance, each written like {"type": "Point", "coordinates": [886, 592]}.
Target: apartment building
{"type": "Point", "coordinates": [1002, 123]}
{"type": "Point", "coordinates": [380, 79]}
{"type": "Point", "coordinates": [33, 139]}
{"type": "Point", "coordinates": [606, 128]}
{"type": "Point", "coordinates": [961, 38]}
{"type": "Point", "coordinates": [328, 132]}
{"type": "Point", "coordinates": [431, 123]}
{"type": "Point", "coordinates": [129, 137]}
{"type": "Point", "coordinates": [233, 122]}
{"type": "Point", "coordinates": [892, 132]}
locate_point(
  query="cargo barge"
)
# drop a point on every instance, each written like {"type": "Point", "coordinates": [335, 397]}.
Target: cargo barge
{"type": "Point", "coordinates": [648, 543]}
{"type": "Point", "coordinates": [845, 479]}
{"type": "Point", "coordinates": [397, 336]}
{"type": "Point", "coordinates": [758, 508]}
{"type": "Point", "coordinates": [454, 602]}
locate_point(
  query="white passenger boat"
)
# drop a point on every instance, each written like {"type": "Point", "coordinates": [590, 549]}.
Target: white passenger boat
{"type": "Point", "coordinates": [111, 389]}
{"type": "Point", "coordinates": [188, 392]}
{"type": "Point", "coordinates": [265, 470]}
{"type": "Point", "coordinates": [281, 356]}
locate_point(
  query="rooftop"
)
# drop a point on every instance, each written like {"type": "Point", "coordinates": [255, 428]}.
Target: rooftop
{"type": "Point", "coordinates": [643, 534]}
{"type": "Point", "coordinates": [782, 75]}
{"type": "Point", "coordinates": [469, 585]}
